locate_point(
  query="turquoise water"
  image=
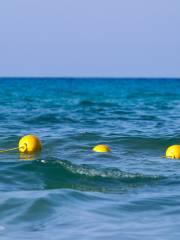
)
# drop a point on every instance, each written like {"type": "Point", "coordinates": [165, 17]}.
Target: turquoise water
{"type": "Point", "coordinates": [69, 192]}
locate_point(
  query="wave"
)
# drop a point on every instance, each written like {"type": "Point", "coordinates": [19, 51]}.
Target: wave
{"type": "Point", "coordinates": [49, 118]}
{"type": "Point", "coordinates": [55, 174]}
{"type": "Point", "coordinates": [107, 173]}
{"type": "Point", "coordinates": [96, 103]}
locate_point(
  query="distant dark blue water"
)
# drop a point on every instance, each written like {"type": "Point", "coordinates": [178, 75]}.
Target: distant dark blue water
{"type": "Point", "coordinates": [69, 192]}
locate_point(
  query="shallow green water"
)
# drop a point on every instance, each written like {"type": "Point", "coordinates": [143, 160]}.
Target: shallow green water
{"type": "Point", "coordinates": [69, 192]}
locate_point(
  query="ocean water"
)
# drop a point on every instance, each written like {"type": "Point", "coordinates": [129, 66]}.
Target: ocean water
{"type": "Point", "coordinates": [69, 192]}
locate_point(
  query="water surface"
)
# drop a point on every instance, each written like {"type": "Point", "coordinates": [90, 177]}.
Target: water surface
{"type": "Point", "coordinates": [69, 192]}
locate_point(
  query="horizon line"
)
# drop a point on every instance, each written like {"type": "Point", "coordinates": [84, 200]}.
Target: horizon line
{"type": "Point", "coordinates": [85, 77]}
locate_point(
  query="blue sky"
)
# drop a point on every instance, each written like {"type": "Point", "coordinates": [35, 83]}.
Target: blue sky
{"type": "Point", "coordinates": [118, 38]}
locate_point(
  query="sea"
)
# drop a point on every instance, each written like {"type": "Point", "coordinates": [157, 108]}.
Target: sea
{"type": "Point", "coordinates": [69, 192]}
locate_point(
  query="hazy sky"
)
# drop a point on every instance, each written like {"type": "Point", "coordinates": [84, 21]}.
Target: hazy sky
{"type": "Point", "coordinates": [90, 38]}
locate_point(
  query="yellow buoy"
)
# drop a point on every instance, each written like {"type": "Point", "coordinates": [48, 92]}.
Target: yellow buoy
{"type": "Point", "coordinates": [173, 152]}
{"type": "Point", "coordinates": [101, 148]}
{"type": "Point", "coordinates": [29, 144]}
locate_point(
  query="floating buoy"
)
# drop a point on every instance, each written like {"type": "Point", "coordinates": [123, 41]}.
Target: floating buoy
{"type": "Point", "coordinates": [29, 144]}
{"type": "Point", "coordinates": [173, 152]}
{"type": "Point", "coordinates": [101, 148]}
